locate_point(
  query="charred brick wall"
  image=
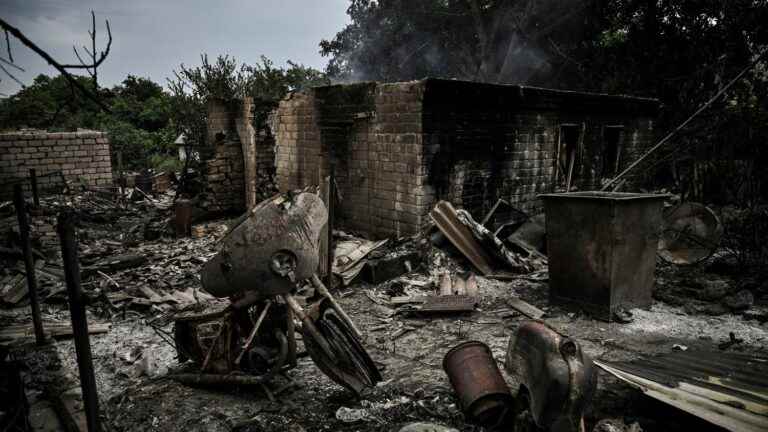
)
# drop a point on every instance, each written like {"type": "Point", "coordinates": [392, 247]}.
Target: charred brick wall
{"type": "Point", "coordinates": [400, 147]}
{"type": "Point", "coordinates": [78, 156]}
{"type": "Point", "coordinates": [265, 165]}
{"type": "Point", "coordinates": [297, 152]}
{"type": "Point", "coordinates": [372, 134]}
{"type": "Point", "coordinates": [223, 169]}
{"type": "Point", "coordinates": [346, 129]}
{"type": "Point", "coordinates": [398, 201]}
{"type": "Point", "coordinates": [239, 157]}
{"type": "Point", "coordinates": [485, 142]}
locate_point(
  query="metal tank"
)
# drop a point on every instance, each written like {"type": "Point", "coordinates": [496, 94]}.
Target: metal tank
{"type": "Point", "coordinates": [275, 244]}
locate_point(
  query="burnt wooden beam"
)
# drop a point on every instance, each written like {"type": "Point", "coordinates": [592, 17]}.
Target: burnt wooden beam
{"type": "Point", "coordinates": [66, 228]}
{"type": "Point", "coordinates": [29, 265]}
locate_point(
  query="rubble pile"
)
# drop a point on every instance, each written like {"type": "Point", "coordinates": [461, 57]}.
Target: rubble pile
{"type": "Point", "coordinates": [708, 290]}
{"type": "Point", "coordinates": [404, 305]}
{"type": "Point", "coordinates": [129, 257]}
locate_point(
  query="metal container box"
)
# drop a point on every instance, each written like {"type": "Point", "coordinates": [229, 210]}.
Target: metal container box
{"type": "Point", "coordinates": [602, 249]}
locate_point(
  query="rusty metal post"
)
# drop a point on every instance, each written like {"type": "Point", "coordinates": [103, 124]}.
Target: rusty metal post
{"type": "Point", "coordinates": [33, 182]}
{"type": "Point", "coordinates": [29, 266]}
{"type": "Point", "coordinates": [66, 228]}
{"type": "Point", "coordinates": [331, 199]}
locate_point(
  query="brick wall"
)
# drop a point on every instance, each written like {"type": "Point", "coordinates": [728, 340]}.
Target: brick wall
{"type": "Point", "coordinates": [400, 147]}
{"type": "Point", "coordinates": [223, 160]}
{"type": "Point", "coordinates": [297, 152]}
{"type": "Point", "coordinates": [485, 142]}
{"type": "Point", "coordinates": [79, 156]}
{"type": "Point", "coordinates": [372, 134]}
{"type": "Point", "coordinates": [397, 194]}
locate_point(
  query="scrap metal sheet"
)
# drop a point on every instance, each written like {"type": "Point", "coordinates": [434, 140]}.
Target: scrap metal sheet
{"type": "Point", "coordinates": [726, 389]}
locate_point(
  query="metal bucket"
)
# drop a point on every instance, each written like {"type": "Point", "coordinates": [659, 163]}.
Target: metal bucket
{"type": "Point", "coordinates": [475, 377]}
{"type": "Point", "coordinates": [143, 182]}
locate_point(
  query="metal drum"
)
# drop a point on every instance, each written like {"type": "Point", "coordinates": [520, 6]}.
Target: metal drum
{"type": "Point", "coordinates": [475, 377]}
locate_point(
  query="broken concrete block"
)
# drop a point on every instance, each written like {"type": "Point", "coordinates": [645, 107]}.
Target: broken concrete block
{"type": "Point", "coordinates": [426, 427]}
{"type": "Point", "coordinates": [694, 307]}
{"type": "Point", "coordinates": [43, 418]}
{"type": "Point", "coordinates": [740, 301]}
{"type": "Point", "coordinates": [711, 289]}
{"type": "Point", "coordinates": [378, 270]}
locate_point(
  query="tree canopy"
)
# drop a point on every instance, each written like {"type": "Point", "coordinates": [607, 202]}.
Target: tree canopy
{"type": "Point", "coordinates": [681, 52]}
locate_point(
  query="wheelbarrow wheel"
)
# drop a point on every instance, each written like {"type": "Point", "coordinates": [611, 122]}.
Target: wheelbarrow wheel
{"type": "Point", "coordinates": [351, 366]}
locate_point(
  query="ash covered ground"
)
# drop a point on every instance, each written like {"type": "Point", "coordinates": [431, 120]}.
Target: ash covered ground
{"type": "Point", "coordinates": [132, 360]}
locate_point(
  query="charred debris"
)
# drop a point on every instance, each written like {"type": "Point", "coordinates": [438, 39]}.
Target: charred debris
{"type": "Point", "coordinates": [412, 274]}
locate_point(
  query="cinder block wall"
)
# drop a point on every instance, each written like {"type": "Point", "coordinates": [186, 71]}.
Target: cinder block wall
{"type": "Point", "coordinates": [78, 155]}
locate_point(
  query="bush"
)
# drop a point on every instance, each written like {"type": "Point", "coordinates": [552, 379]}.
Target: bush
{"type": "Point", "coordinates": [161, 163]}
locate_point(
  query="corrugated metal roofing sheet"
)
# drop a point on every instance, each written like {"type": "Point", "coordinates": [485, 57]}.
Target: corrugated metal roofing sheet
{"type": "Point", "coordinates": [727, 389]}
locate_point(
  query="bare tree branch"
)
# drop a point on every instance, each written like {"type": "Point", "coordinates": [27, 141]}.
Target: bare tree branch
{"type": "Point", "coordinates": [8, 46]}
{"type": "Point", "coordinates": [13, 65]}
{"type": "Point", "coordinates": [102, 55]}
{"type": "Point", "coordinates": [7, 72]}
{"type": "Point", "coordinates": [58, 66]}
{"type": "Point", "coordinates": [95, 73]}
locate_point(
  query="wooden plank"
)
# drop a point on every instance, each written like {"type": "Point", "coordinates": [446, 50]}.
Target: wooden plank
{"type": "Point", "coordinates": [17, 291]}
{"type": "Point", "coordinates": [150, 294]}
{"type": "Point", "coordinates": [24, 331]}
{"type": "Point", "coordinates": [399, 300]}
{"type": "Point", "coordinates": [525, 308]}
{"type": "Point", "coordinates": [448, 303]}
{"type": "Point", "coordinates": [69, 406]}
{"type": "Point", "coordinates": [322, 266]}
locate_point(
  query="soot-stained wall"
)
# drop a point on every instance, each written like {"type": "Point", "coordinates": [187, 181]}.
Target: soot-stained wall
{"type": "Point", "coordinates": [400, 147]}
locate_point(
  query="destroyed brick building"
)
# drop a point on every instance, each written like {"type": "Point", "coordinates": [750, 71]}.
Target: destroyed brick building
{"type": "Point", "coordinates": [398, 148]}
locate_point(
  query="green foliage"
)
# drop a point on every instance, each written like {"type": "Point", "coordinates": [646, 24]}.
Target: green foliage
{"type": "Point", "coordinates": [192, 88]}
{"type": "Point", "coordinates": [137, 145]}
{"type": "Point", "coordinates": [48, 103]}
{"type": "Point", "coordinates": [161, 162]}
{"type": "Point", "coordinates": [142, 103]}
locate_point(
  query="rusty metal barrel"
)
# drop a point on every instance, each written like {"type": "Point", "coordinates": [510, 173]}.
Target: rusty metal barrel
{"type": "Point", "coordinates": [475, 377]}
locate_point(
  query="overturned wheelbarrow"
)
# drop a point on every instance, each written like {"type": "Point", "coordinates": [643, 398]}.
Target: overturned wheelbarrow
{"type": "Point", "coordinates": [258, 265]}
